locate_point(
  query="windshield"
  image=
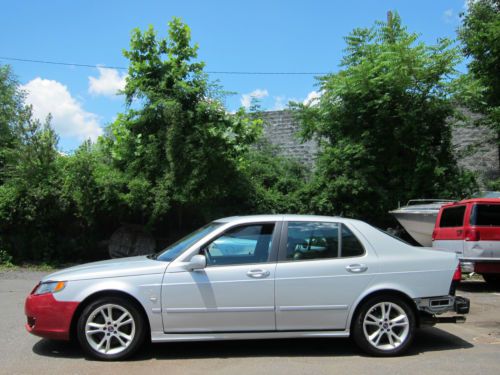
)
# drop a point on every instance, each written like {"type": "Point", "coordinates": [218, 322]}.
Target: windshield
{"type": "Point", "coordinates": [171, 252]}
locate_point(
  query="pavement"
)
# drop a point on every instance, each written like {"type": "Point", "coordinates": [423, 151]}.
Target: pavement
{"type": "Point", "coordinates": [469, 348]}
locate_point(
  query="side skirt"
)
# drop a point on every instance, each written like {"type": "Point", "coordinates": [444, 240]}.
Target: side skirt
{"type": "Point", "coordinates": [209, 336]}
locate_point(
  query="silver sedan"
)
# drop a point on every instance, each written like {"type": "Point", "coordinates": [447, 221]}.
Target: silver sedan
{"type": "Point", "coordinates": [254, 277]}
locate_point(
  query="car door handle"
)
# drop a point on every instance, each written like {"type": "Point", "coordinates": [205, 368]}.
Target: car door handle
{"type": "Point", "coordinates": [258, 274]}
{"type": "Point", "coordinates": [356, 268]}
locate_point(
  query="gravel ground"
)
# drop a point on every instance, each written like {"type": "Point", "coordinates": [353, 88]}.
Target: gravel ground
{"type": "Point", "coordinates": [470, 348]}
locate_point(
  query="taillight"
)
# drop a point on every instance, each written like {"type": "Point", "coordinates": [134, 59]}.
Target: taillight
{"type": "Point", "coordinates": [472, 235]}
{"type": "Point", "coordinates": [457, 276]}
{"type": "Point", "coordinates": [434, 234]}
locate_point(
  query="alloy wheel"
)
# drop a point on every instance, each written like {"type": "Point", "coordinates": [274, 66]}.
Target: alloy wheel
{"type": "Point", "coordinates": [110, 329]}
{"type": "Point", "coordinates": [386, 326]}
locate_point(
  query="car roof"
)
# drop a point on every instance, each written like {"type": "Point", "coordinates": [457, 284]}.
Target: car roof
{"type": "Point", "coordinates": [473, 200]}
{"type": "Point", "coordinates": [279, 217]}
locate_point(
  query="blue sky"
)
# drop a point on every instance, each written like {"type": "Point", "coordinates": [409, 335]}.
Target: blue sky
{"type": "Point", "coordinates": [270, 36]}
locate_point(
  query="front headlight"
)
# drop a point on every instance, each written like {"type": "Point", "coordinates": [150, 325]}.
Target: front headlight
{"type": "Point", "coordinates": [49, 287]}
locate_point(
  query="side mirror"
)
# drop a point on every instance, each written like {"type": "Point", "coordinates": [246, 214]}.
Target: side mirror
{"type": "Point", "coordinates": [197, 262]}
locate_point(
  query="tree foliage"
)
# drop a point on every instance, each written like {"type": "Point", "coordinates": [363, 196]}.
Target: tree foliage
{"type": "Point", "coordinates": [276, 182]}
{"type": "Point", "coordinates": [382, 123]}
{"type": "Point", "coordinates": [172, 161]}
{"type": "Point", "coordinates": [176, 144]}
{"type": "Point", "coordinates": [30, 201]}
{"type": "Point", "coordinates": [175, 158]}
{"type": "Point", "coordinates": [12, 112]}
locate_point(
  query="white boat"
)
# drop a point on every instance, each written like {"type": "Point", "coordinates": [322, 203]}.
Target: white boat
{"type": "Point", "coordinates": [418, 218]}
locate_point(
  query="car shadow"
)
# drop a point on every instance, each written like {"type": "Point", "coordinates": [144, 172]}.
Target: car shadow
{"type": "Point", "coordinates": [427, 340]}
{"type": "Point", "coordinates": [433, 339]}
{"type": "Point", "coordinates": [477, 286]}
{"type": "Point", "coordinates": [53, 348]}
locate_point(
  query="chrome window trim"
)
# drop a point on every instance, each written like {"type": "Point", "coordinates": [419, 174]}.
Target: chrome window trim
{"type": "Point", "coordinates": [284, 238]}
{"type": "Point", "coordinates": [194, 248]}
{"type": "Point", "coordinates": [273, 252]}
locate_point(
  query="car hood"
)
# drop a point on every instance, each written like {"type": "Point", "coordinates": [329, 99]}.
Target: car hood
{"type": "Point", "coordinates": [132, 266]}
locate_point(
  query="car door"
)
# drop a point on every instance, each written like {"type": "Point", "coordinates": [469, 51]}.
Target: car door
{"type": "Point", "coordinates": [482, 235]}
{"type": "Point", "coordinates": [234, 292]}
{"type": "Point", "coordinates": [321, 271]}
{"type": "Point", "coordinates": [449, 232]}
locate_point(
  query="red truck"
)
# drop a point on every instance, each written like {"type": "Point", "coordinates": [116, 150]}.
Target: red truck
{"type": "Point", "coordinates": [471, 229]}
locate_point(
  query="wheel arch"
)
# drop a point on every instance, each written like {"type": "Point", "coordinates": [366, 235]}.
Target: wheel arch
{"type": "Point", "coordinates": [108, 293]}
{"type": "Point", "coordinates": [384, 292]}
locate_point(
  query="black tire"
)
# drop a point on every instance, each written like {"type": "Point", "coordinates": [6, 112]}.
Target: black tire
{"type": "Point", "coordinates": [137, 328]}
{"type": "Point", "coordinates": [372, 306]}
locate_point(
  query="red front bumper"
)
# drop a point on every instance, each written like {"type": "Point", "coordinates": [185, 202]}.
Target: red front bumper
{"type": "Point", "coordinates": [48, 317]}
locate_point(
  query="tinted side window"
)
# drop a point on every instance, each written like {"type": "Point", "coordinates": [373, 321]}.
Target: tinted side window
{"type": "Point", "coordinates": [351, 247]}
{"type": "Point", "coordinates": [452, 217]}
{"type": "Point", "coordinates": [486, 215]}
{"type": "Point", "coordinates": [311, 240]}
{"type": "Point", "coordinates": [241, 245]}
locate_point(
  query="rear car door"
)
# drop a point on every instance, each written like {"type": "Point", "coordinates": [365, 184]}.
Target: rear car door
{"type": "Point", "coordinates": [234, 292]}
{"type": "Point", "coordinates": [482, 239]}
{"type": "Point", "coordinates": [449, 232]}
{"type": "Point", "coordinates": [322, 268]}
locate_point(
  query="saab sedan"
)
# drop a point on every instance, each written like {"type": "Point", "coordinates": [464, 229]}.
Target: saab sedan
{"type": "Point", "coordinates": [254, 277]}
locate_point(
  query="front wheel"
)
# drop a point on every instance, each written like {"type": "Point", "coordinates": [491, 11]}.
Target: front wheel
{"type": "Point", "coordinates": [111, 328]}
{"type": "Point", "coordinates": [384, 326]}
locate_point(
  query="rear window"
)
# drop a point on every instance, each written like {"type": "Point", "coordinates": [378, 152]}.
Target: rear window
{"type": "Point", "coordinates": [452, 217]}
{"type": "Point", "coordinates": [351, 247]}
{"type": "Point", "coordinates": [487, 215]}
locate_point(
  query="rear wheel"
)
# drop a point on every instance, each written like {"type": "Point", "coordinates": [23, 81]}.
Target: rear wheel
{"type": "Point", "coordinates": [384, 326]}
{"type": "Point", "coordinates": [111, 328]}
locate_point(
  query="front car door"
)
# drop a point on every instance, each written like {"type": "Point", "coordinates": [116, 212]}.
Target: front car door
{"type": "Point", "coordinates": [323, 267]}
{"type": "Point", "coordinates": [235, 292]}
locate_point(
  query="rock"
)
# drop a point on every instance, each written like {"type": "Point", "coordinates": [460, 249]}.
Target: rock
{"type": "Point", "coordinates": [131, 240]}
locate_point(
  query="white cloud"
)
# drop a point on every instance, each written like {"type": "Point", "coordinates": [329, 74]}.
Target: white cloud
{"type": "Point", "coordinates": [109, 82]}
{"type": "Point", "coordinates": [279, 103]}
{"type": "Point", "coordinates": [312, 98]}
{"type": "Point", "coordinates": [449, 15]}
{"type": "Point", "coordinates": [246, 99]}
{"type": "Point", "coordinates": [69, 119]}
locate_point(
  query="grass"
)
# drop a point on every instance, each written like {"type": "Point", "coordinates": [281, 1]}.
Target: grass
{"type": "Point", "coordinates": [41, 267]}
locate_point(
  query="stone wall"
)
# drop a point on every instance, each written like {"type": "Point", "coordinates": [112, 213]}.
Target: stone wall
{"type": "Point", "coordinates": [475, 146]}
{"type": "Point", "coordinates": [280, 129]}
{"type": "Point", "coordinates": [476, 149]}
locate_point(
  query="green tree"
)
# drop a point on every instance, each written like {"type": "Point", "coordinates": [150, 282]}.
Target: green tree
{"type": "Point", "coordinates": [480, 35]}
{"type": "Point", "coordinates": [176, 144]}
{"type": "Point", "coordinates": [382, 125]}
{"type": "Point", "coordinates": [92, 187]}
{"type": "Point", "coordinates": [52, 207]}
{"type": "Point", "coordinates": [29, 177]}
{"type": "Point", "coordinates": [11, 113]}
{"type": "Point", "coordinates": [30, 205]}
{"type": "Point", "coordinates": [276, 182]}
